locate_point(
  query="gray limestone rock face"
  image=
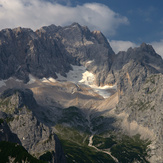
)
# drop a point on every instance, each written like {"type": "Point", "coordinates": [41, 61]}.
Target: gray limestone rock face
{"type": "Point", "coordinates": [138, 75]}
{"type": "Point", "coordinates": [81, 45]}
{"type": "Point", "coordinates": [52, 50]}
{"type": "Point", "coordinates": [145, 107]}
{"type": "Point", "coordinates": [19, 125]}
{"type": "Point", "coordinates": [23, 52]}
{"type": "Point", "coordinates": [145, 56]}
{"type": "Point", "coordinates": [140, 88]}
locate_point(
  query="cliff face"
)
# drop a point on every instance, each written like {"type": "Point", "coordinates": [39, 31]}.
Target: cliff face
{"type": "Point", "coordinates": [138, 73]}
{"type": "Point", "coordinates": [134, 106]}
{"type": "Point", "coordinates": [52, 50]}
{"type": "Point", "coordinates": [21, 126]}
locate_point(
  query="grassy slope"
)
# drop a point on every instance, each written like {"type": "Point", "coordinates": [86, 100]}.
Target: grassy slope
{"type": "Point", "coordinates": [13, 150]}
{"type": "Point", "coordinates": [75, 139]}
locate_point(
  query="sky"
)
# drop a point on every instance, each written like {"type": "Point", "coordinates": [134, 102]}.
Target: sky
{"type": "Point", "coordinates": [125, 23]}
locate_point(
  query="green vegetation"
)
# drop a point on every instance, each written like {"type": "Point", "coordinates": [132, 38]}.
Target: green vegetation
{"type": "Point", "coordinates": [72, 114]}
{"type": "Point", "coordinates": [124, 148]}
{"type": "Point", "coordinates": [75, 140]}
{"type": "Point", "coordinates": [103, 143]}
{"type": "Point", "coordinates": [6, 105]}
{"type": "Point", "coordinates": [17, 152]}
{"type": "Point", "coordinates": [1, 121]}
{"type": "Point", "coordinates": [130, 149]}
{"type": "Point", "coordinates": [47, 156]}
{"type": "Point", "coordinates": [83, 154]}
{"type": "Point", "coordinates": [69, 133]}
{"type": "Point", "coordinates": [75, 146]}
{"type": "Point", "coordinates": [74, 117]}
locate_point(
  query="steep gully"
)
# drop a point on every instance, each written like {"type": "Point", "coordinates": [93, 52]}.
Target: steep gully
{"type": "Point", "coordinates": [90, 144]}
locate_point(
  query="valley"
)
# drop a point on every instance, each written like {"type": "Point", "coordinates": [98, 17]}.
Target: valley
{"type": "Point", "coordinates": [65, 96]}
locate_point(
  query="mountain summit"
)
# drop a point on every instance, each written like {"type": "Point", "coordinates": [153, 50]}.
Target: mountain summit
{"type": "Point", "coordinates": [52, 50]}
{"type": "Point", "coordinates": [65, 96]}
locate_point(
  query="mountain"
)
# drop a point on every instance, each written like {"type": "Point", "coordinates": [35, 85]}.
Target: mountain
{"type": "Point", "coordinates": [19, 125]}
{"type": "Point", "coordinates": [65, 96]}
{"type": "Point", "coordinates": [52, 50]}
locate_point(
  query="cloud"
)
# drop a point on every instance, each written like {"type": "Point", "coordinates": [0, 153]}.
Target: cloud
{"type": "Point", "coordinates": [158, 46]}
{"type": "Point", "coordinates": [118, 45]}
{"type": "Point", "coordinates": [37, 13]}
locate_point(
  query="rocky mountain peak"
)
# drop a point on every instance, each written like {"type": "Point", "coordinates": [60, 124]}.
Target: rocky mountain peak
{"type": "Point", "coordinates": [21, 97]}
{"type": "Point", "coordinates": [147, 48]}
{"type": "Point", "coordinates": [102, 40]}
{"type": "Point", "coordinates": [51, 50]}
{"type": "Point", "coordinates": [75, 24]}
{"type": "Point", "coordinates": [50, 30]}
{"type": "Point", "coordinates": [144, 54]}
{"type": "Point", "coordinates": [22, 30]}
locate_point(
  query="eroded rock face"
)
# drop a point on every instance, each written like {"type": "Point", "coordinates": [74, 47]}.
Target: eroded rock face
{"type": "Point", "coordinates": [52, 50]}
{"type": "Point", "coordinates": [21, 126]}
{"type": "Point", "coordinates": [141, 97]}
{"type": "Point", "coordinates": [142, 58]}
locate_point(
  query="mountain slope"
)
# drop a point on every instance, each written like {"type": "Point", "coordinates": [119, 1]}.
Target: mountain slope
{"type": "Point", "coordinates": [52, 50]}
{"type": "Point", "coordinates": [69, 83]}
{"type": "Point", "coordinates": [19, 125]}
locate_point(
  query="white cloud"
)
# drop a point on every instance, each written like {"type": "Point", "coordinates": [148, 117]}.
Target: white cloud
{"type": "Point", "coordinates": [158, 46]}
{"type": "Point", "coordinates": [118, 45]}
{"type": "Point", "coordinates": [37, 13]}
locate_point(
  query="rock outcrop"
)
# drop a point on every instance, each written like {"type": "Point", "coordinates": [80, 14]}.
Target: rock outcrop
{"type": "Point", "coordinates": [138, 73]}
{"type": "Point", "coordinates": [19, 125]}
{"type": "Point", "coordinates": [52, 50]}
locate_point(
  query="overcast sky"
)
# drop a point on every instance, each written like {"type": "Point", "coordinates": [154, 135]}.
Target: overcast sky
{"type": "Point", "coordinates": [125, 23]}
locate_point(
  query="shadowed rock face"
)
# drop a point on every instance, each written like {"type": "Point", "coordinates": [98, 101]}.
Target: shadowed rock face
{"type": "Point", "coordinates": [51, 50]}
{"type": "Point", "coordinates": [23, 52]}
{"type": "Point", "coordinates": [19, 125]}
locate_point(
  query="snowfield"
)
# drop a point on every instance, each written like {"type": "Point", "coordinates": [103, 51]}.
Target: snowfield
{"type": "Point", "coordinates": [79, 75]}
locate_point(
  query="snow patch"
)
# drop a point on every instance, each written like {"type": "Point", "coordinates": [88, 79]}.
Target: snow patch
{"type": "Point", "coordinates": [89, 62]}
{"type": "Point", "coordinates": [87, 78]}
{"type": "Point", "coordinates": [80, 75]}
{"type": "Point", "coordinates": [32, 79]}
{"type": "Point", "coordinates": [103, 91]}
{"type": "Point", "coordinates": [74, 75]}
{"type": "Point", "coordinates": [48, 80]}
{"type": "Point", "coordinates": [52, 80]}
{"type": "Point", "coordinates": [44, 80]}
